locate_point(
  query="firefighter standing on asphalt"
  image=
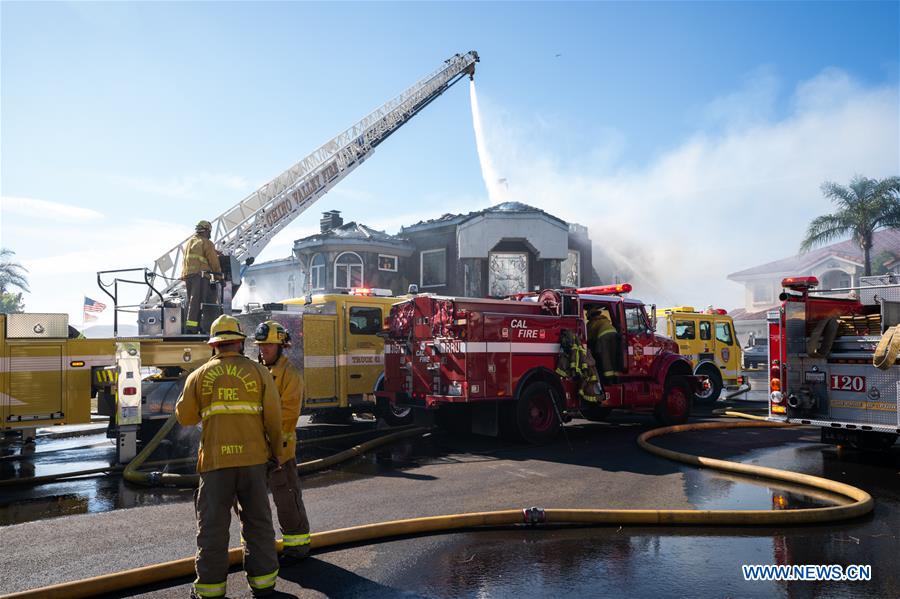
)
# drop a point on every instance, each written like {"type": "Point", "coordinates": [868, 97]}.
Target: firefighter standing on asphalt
{"type": "Point", "coordinates": [237, 402]}
{"type": "Point", "coordinates": [200, 257]}
{"type": "Point", "coordinates": [272, 338]}
{"type": "Point", "coordinates": [602, 341]}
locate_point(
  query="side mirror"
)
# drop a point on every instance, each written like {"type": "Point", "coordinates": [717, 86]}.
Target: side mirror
{"type": "Point", "coordinates": [653, 316]}
{"type": "Point", "coordinates": [413, 289]}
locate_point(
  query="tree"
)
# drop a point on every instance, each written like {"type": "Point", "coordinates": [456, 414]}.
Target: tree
{"type": "Point", "coordinates": [12, 275]}
{"type": "Point", "coordinates": [863, 207]}
{"type": "Point", "coordinates": [11, 303]}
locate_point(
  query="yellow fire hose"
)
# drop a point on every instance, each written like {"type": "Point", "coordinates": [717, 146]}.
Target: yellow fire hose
{"type": "Point", "coordinates": [132, 474]}
{"type": "Point", "coordinates": [861, 503]}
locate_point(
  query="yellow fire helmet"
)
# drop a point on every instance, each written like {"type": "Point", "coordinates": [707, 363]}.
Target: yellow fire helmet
{"type": "Point", "coordinates": [203, 225]}
{"type": "Point", "coordinates": [225, 328]}
{"type": "Point", "coordinates": [271, 332]}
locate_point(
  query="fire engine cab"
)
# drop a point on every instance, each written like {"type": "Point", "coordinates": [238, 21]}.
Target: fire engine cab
{"type": "Point", "coordinates": [495, 362]}
{"type": "Point", "coordinates": [832, 360]}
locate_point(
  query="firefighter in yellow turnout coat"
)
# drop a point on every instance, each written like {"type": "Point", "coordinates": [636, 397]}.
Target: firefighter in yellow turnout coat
{"type": "Point", "coordinates": [602, 341]}
{"type": "Point", "coordinates": [271, 338]}
{"type": "Point", "coordinates": [200, 257]}
{"type": "Point", "coordinates": [237, 403]}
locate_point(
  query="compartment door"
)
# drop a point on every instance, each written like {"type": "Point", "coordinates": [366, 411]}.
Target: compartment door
{"type": "Point", "coordinates": [35, 382]}
{"type": "Point", "coordinates": [320, 361]}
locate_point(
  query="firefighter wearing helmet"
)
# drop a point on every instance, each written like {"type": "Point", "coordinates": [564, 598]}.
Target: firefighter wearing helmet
{"type": "Point", "coordinates": [272, 338]}
{"type": "Point", "coordinates": [237, 402]}
{"type": "Point", "coordinates": [602, 341]}
{"type": "Point", "coordinates": [199, 268]}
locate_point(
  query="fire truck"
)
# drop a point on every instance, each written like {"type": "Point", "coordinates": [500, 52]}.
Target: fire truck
{"type": "Point", "coordinates": [49, 378]}
{"type": "Point", "coordinates": [494, 363]}
{"type": "Point", "coordinates": [822, 354]}
{"type": "Point", "coordinates": [707, 339]}
{"type": "Point", "coordinates": [337, 347]}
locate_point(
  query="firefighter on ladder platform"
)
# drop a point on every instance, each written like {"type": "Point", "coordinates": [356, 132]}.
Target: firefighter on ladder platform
{"type": "Point", "coordinates": [199, 268]}
{"type": "Point", "coordinates": [272, 338]}
{"type": "Point", "coordinates": [237, 401]}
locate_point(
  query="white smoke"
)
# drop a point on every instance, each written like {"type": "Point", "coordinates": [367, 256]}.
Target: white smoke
{"type": "Point", "coordinates": [735, 194]}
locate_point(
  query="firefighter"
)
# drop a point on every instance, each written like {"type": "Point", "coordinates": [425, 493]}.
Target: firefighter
{"type": "Point", "coordinates": [199, 268]}
{"type": "Point", "coordinates": [272, 338]}
{"type": "Point", "coordinates": [602, 341]}
{"type": "Point", "coordinates": [237, 402]}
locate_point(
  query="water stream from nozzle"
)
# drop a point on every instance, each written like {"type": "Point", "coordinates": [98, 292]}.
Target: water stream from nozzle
{"type": "Point", "coordinates": [496, 187]}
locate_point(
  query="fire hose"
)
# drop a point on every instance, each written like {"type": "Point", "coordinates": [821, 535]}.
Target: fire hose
{"type": "Point", "coordinates": [132, 473]}
{"type": "Point", "coordinates": [861, 503]}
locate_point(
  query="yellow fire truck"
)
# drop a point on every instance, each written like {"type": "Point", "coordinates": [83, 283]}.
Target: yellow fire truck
{"type": "Point", "coordinates": [707, 339]}
{"type": "Point", "coordinates": [337, 349]}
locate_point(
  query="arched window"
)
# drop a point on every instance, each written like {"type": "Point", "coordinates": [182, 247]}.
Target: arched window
{"type": "Point", "coordinates": [348, 271]}
{"type": "Point", "coordinates": [317, 271]}
{"type": "Point", "coordinates": [292, 291]}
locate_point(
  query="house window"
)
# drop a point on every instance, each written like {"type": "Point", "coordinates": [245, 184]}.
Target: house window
{"type": "Point", "coordinates": [292, 291]}
{"type": "Point", "coordinates": [365, 321]}
{"type": "Point", "coordinates": [570, 274]}
{"type": "Point", "coordinates": [317, 271]}
{"type": "Point", "coordinates": [388, 263]}
{"type": "Point", "coordinates": [348, 271]}
{"type": "Point", "coordinates": [433, 268]}
{"type": "Point", "coordinates": [762, 293]}
{"type": "Point", "coordinates": [507, 274]}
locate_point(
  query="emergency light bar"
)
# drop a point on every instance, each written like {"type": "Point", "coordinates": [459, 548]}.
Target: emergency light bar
{"type": "Point", "coordinates": [606, 289]}
{"type": "Point", "coordinates": [718, 311]}
{"type": "Point", "coordinates": [371, 292]}
{"type": "Point", "coordinates": [683, 309]}
{"type": "Point", "coordinates": [800, 283]}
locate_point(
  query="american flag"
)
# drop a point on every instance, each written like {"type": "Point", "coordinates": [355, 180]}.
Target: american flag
{"type": "Point", "coordinates": [93, 305]}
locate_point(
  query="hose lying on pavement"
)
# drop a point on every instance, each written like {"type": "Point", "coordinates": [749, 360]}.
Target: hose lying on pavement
{"type": "Point", "coordinates": [132, 474]}
{"type": "Point", "coordinates": [860, 503]}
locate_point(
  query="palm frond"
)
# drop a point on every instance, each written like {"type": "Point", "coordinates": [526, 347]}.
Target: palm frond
{"type": "Point", "coordinates": [824, 229]}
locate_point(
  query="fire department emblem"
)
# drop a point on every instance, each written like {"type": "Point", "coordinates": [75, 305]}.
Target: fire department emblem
{"type": "Point", "coordinates": [725, 354]}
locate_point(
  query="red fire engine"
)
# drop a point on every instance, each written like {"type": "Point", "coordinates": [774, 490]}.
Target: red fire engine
{"type": "Point", "coordinates": [823, 347]}
{"type": "Point", "coordinates": [496, 360]}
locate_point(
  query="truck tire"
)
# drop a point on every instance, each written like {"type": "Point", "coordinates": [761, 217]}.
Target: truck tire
{"type": "Point", "coordinates": [675, 405]}
{"type": "Point", "coordinates": [594, 413]}
{"type": "Point", "coordinates": [393, 415]}
{"type": "Point", "coordinates": [715, 385]}
{"type": "Point", "coordinates": [536, 413]}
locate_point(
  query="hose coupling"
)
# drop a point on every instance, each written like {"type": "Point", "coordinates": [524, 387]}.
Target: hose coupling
{"type": "Point", "coordinates": [534, 515]}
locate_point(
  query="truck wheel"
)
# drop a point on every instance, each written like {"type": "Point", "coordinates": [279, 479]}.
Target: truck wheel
{"type": "Point", "coordinates": [395, 415]}
{"type": "Point", "coordinates": [675, 406]}
{"type": "Point", "coordinates": [536, 413]}
{"type": "Point", "coordinates": [712, 394]}
{"type": "Point", "coordinates": [594, 413]}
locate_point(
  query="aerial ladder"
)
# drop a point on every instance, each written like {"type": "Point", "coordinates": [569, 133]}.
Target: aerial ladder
{"type": "Point", "coordinates": [243, 231]}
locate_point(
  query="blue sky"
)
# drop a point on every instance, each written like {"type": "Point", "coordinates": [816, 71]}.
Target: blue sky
{"type": "Point", "coordinates": [124, 123]}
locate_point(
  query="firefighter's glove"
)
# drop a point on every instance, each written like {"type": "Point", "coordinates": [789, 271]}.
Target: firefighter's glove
{"type": "Point", "coordinates": [273, 466]}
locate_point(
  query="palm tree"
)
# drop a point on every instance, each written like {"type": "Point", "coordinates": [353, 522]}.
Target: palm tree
{"type": "Point", "coordinates": [863, 207]}
{"type": "Point", "coordinates": [12, 274]}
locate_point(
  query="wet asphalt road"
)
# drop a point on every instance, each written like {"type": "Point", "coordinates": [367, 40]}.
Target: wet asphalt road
{"type": "Point", "coordinates": [594, 465]}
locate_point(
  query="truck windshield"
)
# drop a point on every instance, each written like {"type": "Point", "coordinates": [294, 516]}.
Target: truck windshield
{"type": "Point", "coordinates": [636, 321]}
{"type": "Point", "coordinates": [723, 333]}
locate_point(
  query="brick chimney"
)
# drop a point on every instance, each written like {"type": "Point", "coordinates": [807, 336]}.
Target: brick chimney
{"type": "Point", "coordinates": [330, 220]}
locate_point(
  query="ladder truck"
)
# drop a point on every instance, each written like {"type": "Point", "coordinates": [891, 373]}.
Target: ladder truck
{"type": "Point", "coordinates": [48, 378]}
{"type": "Point", "coordinates": [832, 360]}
